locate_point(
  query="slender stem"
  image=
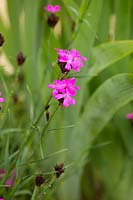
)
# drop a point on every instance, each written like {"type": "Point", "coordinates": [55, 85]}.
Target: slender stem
{"type": "Point", "coordinates": [41, 113]}
{"type": "Point", "coordinates": [45, 127]}
{"type": "Point", "coordinates": [34, 193]}
{"type": "Point", "coordinates": [43, 131]}
{"type": "Point", "coordinates": [41, 150]}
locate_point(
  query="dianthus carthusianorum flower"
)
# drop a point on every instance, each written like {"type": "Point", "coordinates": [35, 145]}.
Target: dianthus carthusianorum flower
{"type": "Point", "coordinates": [1, 99]}
{"type": "Point", "coordinates": [52, 9]}
{"type": "Point", "coordinates": [64, 90]}
{"type": "Point", "coordinates": [70, 60]}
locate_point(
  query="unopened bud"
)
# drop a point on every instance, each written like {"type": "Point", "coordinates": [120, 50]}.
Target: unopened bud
{"type": "Point", "coordinates": [20, 58]}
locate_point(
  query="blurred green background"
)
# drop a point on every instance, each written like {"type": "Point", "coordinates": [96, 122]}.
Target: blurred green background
{"type": "Point", "coordinates": [93, 139]}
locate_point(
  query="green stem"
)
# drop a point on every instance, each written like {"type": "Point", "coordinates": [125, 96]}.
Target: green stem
{"type": "Point", "coordinates": [42, 112]}
{"type": "Point", "coordinates": [45, 127]}
{"type": "Point", "coordinates": [34, 193]}
{"type": "Point", "coordinates": [43, 131]}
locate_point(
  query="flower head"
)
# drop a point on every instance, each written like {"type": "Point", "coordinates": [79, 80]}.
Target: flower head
{"type": "Point", "coordinates": [63, 90]}
{"type": "Point", "coordinates": [52, 9]}
{"type": "Point", "coordinates": [1, 99]}
{"type": "Point", "coordinates": [129, 116]}
{"type": "Point", "coordinates": [71, 59]}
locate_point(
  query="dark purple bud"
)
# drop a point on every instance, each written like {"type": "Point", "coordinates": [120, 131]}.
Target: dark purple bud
{"type": "Point", "coordinates": [1, 39]}
{"type": "Point", "coordinates": [47, 107]}
{"type": "Point", "coordinates": [39, 180]}
{"type": "Point", "coordinates": [52, 20]}
{"type": "Point", "coordinates": [15, 98]}
{"type": "Point", "coordinates": [59, 169]}
{"type": "Point", "coordinates": [47, 115]}
{"type": "Point", "coordinates": [20, 58]}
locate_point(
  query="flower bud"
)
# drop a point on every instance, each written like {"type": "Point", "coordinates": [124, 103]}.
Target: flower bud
{"type": "Point", "coordinates": [59, 169]}
{"type": "Point", "coordinates": [39, 180]}
{"type": "Point", "coordinates": [1, 39]}
{"type": "Point", "coordinates": [20, 58]}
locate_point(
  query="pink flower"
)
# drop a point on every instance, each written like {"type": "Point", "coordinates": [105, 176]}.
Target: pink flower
{"type": "Point", "coordinates": [71, 59]}
{"type": "Point", "coordinates": [63, 90]}
{"type": "Point", "coordinates": [129, 116]}
{"type": "Point", "coordinates": [52, 9]}
{"type": "Point", "coordinates": [10, 180]}
{"type": "Point", "coordinates": [1, 99]}
{"type": "Point", "coordinates": [1, 198]}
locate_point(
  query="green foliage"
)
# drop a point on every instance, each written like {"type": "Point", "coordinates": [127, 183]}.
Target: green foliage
{"type": "Point", "coordinates": [93, 139]}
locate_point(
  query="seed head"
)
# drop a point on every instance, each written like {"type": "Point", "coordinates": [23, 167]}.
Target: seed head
{"type": "Point", "coordinates": [39, 180]}
{"type": "Point", "coordinates": [59, 169]}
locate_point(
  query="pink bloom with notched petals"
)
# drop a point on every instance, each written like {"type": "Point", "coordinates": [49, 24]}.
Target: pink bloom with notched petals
{"type": "Point", "coordinates": [64, 90]}
{"type": "Point", "coordinates": [1, 198]}
{"type": "Point", "coordinates": [129, 116]}
{"type": "Point", "coordinates": [52, 9]}
{"type": "Point", "coordinates": [72, 58]}
{"type": "Point", "coordinates": [1, 99]}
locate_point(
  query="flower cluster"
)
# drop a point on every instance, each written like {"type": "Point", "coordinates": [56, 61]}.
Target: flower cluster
{"type": "Point", "coordinates": [70, 60]}
{"type": "Point", "coordinates": [64, 89]}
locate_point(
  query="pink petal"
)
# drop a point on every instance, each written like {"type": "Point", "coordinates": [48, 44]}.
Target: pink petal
{"type": "Point", "coordinates": [129, 116]}
{"type": "Point", "coordinates": [83, 58]}
{"type": "Point", "coordinates": [2, 99]}
{"type": "Point", "coordinates": [51, 86]}
{"type": "Point", "coordinates": [76, 87]}
{"type": "Point", "coordinates": [72, 81]}
{"type": "Point", "coordinates": [73, 101]}
{"type": "Point", "coordinates": [9, 182]}
{"type": "Point", "coordinates": [66, 102]}
{"type": "Point", "coordinates": [55, 92]}
{"type": "Point", "coordinates": [57, 8]}
{"type": "Point", "coordinates": [2, 171]}
{"type": "Point", "coordinates": [59, 96]}
{"type": "Point", "coordinates": [68, 67]}
{"type": "Point", "coordinates": [51, 8]}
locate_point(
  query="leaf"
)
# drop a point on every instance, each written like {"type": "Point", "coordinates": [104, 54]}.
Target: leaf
{"type": "Point", "coordinates": [123, 9]}
{"type": "Point", "coordinates": [107, 54]}
{"type": "Point", "coordinates": [104, 103]}
{"type": "Point", "coordinates": [102, 57]}
{"type": "Point", "coordinates": [85, 34]}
